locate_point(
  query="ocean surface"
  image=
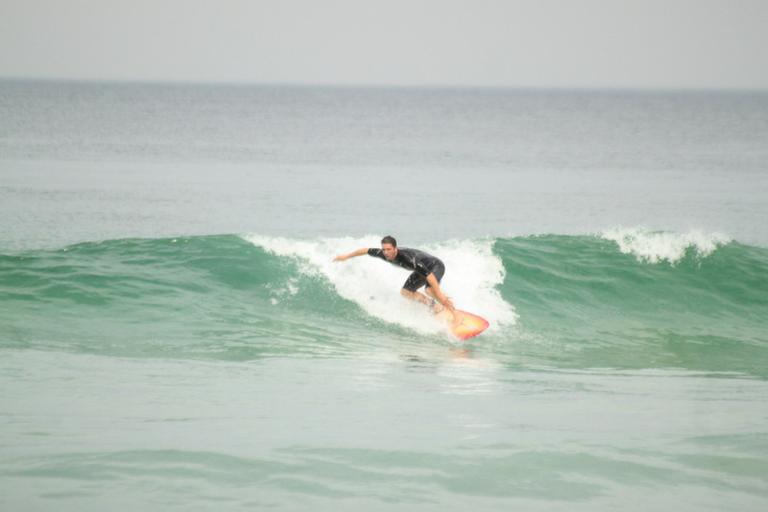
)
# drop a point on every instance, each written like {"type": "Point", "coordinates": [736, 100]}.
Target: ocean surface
{"type": "Point", "coordinates": [174, 334]}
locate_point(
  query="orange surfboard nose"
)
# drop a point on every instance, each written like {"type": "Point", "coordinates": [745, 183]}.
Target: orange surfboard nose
{"type": "Point", "coordinates": [468, 325]}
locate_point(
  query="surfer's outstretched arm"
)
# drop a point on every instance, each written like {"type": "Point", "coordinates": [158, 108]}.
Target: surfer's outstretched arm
{"type": "Point", "coordinates": [360, 252]}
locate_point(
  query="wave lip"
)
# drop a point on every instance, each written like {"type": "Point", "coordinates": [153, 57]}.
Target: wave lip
{"type": "Point", "coordinates": [657, 246]}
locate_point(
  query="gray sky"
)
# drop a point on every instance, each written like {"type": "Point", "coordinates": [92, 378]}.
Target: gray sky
{"type": "Point", "coordinates": [541, 43]}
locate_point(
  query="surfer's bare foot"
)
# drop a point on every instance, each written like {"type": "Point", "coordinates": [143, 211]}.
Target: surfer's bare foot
{"type": "Point", "coordinates": [458, 318]}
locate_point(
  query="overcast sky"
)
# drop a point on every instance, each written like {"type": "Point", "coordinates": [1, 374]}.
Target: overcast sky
{"type": "Point", "coordinates": [537, 43]}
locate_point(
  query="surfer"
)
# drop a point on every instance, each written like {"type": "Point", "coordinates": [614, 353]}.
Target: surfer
{"type": "Point", "coordinates": [427, 271]}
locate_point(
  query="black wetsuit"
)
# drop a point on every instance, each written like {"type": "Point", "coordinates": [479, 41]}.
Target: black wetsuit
{"type": "Point", "coordinates": [420, 262]}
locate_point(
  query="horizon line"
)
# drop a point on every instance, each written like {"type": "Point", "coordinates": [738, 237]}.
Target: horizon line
{"type": "Point", "coordinates": [379, 86]}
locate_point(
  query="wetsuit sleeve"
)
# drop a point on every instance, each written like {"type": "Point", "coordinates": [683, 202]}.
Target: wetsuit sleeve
{"type": "Point", "coordinates": [376, 253]}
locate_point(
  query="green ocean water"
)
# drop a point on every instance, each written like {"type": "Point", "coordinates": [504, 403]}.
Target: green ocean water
{"type": "Point", "coordinates": [174, 334]}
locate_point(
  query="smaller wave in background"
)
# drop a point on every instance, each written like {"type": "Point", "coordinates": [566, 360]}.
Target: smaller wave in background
{"type": "Point", "coordinates": [657, 246]}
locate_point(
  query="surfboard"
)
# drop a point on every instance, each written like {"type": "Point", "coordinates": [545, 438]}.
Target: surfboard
{"type": "Point", "coordinates": [466, 325]}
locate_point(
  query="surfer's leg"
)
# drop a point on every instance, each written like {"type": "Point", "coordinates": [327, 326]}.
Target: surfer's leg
{"type": "Point", "coordinates": [432, 303]}
{"type": "Point", "coordinates": [418, 296]}
{"type": "Point", "coordinates": [410, 287]}
{"type": "Point", "coordinates": [439, 271]}
{"type": "Point", "coordinates": [430, 299]}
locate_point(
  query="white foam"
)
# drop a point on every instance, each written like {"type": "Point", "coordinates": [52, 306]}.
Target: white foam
{"type": "Point", "coordinates": [290, 289]}
{"type": "Point", "coordinates": [654, 246]}
{"type": "Point", "coordinates": [472, 274]}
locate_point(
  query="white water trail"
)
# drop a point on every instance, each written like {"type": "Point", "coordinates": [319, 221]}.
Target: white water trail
{"type": "Point", "coordinates": [472, 275]}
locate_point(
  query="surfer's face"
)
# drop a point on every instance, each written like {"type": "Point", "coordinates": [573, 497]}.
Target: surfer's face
{"type": "Point", "coordinates": [389, 250]}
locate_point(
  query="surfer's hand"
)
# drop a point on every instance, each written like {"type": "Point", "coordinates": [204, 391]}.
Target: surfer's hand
{"type": "Point", "coordinates": [448, 303]}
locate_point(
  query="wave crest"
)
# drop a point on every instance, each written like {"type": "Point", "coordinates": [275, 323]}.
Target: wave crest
{"type": "Point", "coordinates": [658, 246]}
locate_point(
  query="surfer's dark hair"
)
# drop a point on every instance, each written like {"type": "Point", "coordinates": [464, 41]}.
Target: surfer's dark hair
{"type": "Point", "coordinates": [389, 240]}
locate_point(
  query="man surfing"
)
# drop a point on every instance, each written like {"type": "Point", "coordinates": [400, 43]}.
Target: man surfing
{"type": "Point", "coordinates": [427, 271]}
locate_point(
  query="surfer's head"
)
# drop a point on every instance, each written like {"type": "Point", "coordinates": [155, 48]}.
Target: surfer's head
{"type": "Point", "coordinates": [389, 247]}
